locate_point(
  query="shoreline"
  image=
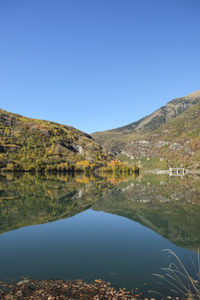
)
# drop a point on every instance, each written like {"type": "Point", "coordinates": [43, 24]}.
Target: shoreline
{"type": "Point", "coordinates": [167, 172]}
{"type": "Point", "coordinates": [65, 289]}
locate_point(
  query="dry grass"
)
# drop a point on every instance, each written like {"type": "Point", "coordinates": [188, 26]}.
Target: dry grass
{"type": "Point", "coordinates": [178, 279]}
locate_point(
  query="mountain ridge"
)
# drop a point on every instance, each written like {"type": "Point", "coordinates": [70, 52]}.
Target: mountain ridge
{"type": "Point", "coordinates": [178, 105]}
{"type": "Point", "coordinates": [138, 140]}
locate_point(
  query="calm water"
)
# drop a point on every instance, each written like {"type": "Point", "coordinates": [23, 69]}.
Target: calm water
{"type": "Point", "coordinates": [109, 228]}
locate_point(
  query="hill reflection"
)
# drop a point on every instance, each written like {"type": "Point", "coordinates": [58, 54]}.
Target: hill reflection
{"type": "Point", "coordinates": [169, 206]}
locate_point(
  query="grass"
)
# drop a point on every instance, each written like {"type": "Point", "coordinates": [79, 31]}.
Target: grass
{"type": "Point", "coordinates": [179, 280]}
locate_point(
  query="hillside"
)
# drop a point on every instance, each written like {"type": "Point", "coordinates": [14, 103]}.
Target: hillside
{"type": "Point", "coordinates": [29, 144]}
{"type": "Point", "coordinates": [169, 136]}
{"type": "Point", "coordinates": [177, 142]}
{"type": "Point", "coordinates": [113, 139]}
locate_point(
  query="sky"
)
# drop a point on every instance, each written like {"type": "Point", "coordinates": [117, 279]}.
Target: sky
{"type": "Point", "coordinates": [97, 64]}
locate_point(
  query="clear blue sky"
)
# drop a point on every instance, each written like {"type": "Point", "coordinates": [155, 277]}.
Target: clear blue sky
{"type": "Point", "coordinates": [97, 64]}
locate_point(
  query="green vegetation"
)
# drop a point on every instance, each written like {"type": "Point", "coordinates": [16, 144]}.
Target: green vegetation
{"type": "Point", "coordinates": [146, 163]}
{"type": "Point", "coordinates": [119, 167]}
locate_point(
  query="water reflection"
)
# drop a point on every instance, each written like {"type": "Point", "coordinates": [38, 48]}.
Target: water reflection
{"type": "Point", "coordinates": [106, 227]}
{"type": "Point", "coordinates": [169, 206]}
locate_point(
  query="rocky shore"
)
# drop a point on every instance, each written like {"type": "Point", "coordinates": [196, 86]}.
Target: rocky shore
{"type": "Point", "coordinates": [63, 289]}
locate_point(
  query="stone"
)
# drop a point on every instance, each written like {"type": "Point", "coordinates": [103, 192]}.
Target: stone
{"type": "Point", "coordinates": [161, 144]}
{"type": "Point", "coordinates": [175, 146]}
{"type": "Point", "coordinates": [25, 281]}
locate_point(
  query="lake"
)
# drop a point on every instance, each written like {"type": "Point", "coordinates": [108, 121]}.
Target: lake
{"type": "Point", "coordinates": [107, 227]}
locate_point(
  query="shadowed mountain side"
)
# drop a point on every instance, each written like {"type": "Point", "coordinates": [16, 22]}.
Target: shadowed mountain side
{"type": "Point", "coordinates": [169, 206]}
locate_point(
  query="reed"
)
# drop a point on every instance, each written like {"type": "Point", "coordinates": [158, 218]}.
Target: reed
{"type": "Point", "coordinates": [178, 279]}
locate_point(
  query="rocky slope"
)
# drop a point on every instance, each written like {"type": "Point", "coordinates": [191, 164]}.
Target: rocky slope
{"type": "Point", "coordinates": [177, 142]}
{"type": "Point", "coordinates": [30, 144]}
{"type": "Point", "coordinates": [170, 133]}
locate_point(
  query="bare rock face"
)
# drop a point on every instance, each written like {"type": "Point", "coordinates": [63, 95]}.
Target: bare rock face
{"type": "Point", "coordinates": [79, 149]}
{"type": "Point", "coordinates": [139, 148]}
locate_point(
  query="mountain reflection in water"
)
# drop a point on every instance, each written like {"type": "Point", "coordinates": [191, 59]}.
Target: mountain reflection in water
{"type": "Point", "coordinates": [110, 227]}
{"type": "Point", "coordinates": [169, 206]}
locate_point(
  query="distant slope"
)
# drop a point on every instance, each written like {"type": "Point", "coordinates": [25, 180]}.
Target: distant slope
{"type": "Point", "coordinates": [177, 141]}
{"type": "Point", "coordinates": [194, 94]}
{"type": "Point", "coordinates": [115, 140]}
{"type": "Point", "coordinates": [30, 144]}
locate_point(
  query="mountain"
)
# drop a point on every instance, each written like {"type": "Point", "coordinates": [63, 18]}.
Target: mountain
{"type": "Point", "coordinates": [177, 142]}
{"type": "Point", "coordinates": [28, 144]}
{"type": "Point", "coordinates": [171, 133]}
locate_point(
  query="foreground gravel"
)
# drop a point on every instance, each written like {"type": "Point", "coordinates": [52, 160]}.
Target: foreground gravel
{"type": "Point", "coordinates": [62, 289]}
